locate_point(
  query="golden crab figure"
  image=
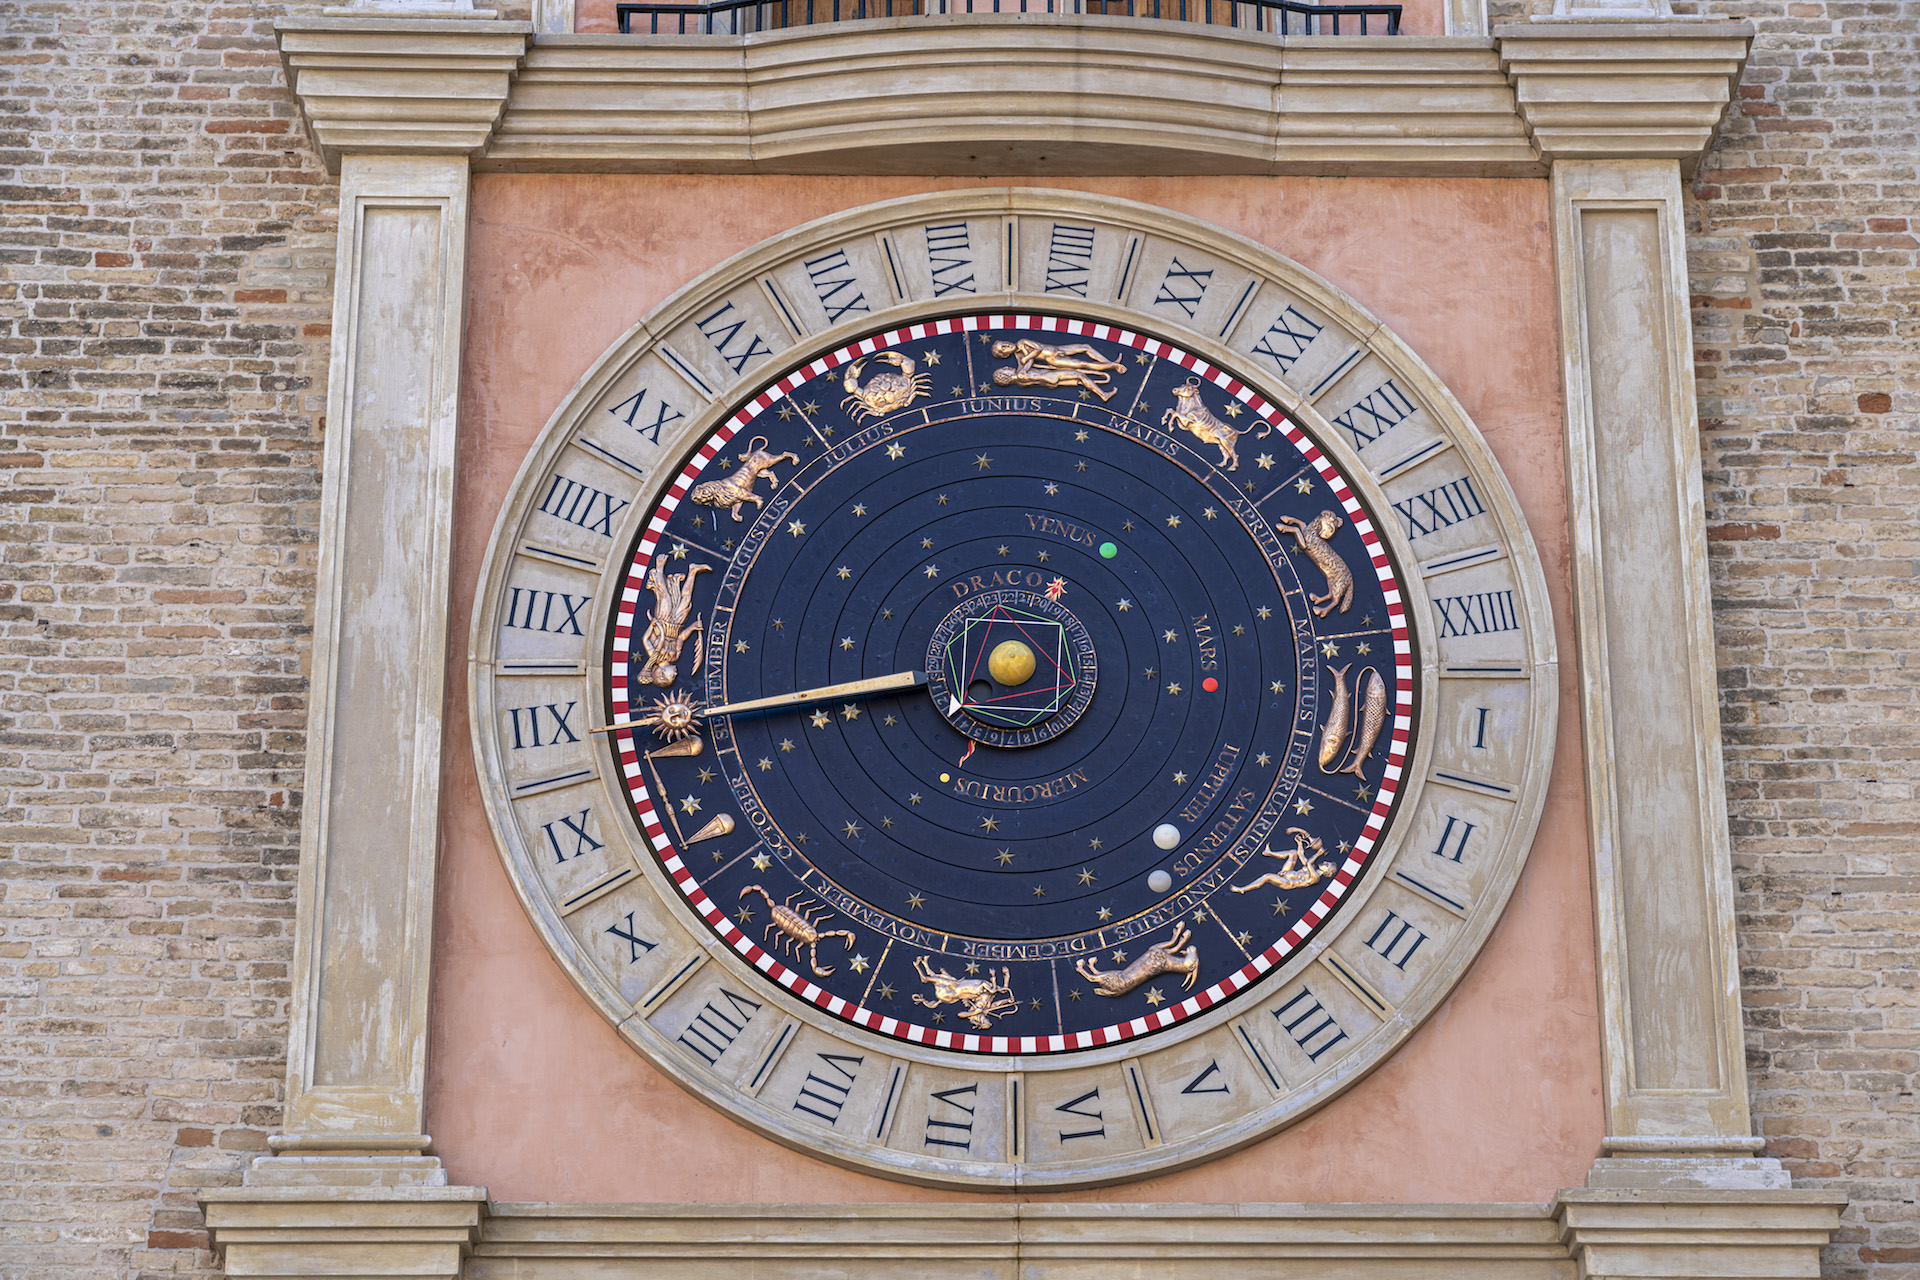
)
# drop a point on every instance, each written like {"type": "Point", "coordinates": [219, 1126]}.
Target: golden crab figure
{"type": "Point", "coordinates": [671, 716]}
{"type": "Point", "coordinates": [884, 392]}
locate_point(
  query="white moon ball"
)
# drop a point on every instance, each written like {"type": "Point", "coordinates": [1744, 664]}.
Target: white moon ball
{"type": "Point", "coordinates": [1159, 882]}
{"type": "Point", "coordinates": [1166, 835]}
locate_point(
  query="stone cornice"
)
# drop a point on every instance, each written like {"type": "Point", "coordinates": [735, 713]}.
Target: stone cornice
{"type": "Point", "coordinates": [401, 86]}
{"type": "Point", "coordinates": [997, 94]}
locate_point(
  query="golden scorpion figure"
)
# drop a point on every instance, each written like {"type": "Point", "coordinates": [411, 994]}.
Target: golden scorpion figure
{"type": "Point", "coordinates": [798, 927]}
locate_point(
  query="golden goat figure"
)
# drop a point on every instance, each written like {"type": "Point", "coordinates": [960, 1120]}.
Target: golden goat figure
{"type": "Point", "coordinates": [1162, 957]}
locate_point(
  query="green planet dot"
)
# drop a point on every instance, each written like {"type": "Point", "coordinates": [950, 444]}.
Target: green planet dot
{"type": "Point", "coordinates": [1108, 551]}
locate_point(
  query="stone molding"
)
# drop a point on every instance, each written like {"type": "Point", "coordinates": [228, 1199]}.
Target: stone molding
{"type": "Point", "coordinates": [1698, 1235]}
{"type": "Point", "coordinates": [419, 1232]}
{"type": "Point", "coordinates": [992, 94]}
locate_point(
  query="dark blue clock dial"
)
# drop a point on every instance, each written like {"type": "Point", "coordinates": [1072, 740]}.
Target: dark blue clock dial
{"type": "Point", "coordinates": [1151, 684]}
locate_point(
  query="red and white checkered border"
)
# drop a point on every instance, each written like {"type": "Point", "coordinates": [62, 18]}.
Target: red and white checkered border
{"type": "Point", "coordinates": [798, 984]}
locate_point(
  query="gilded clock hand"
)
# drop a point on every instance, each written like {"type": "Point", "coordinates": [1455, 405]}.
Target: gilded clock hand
{"type": "Point", "coordinates": [853, 688]}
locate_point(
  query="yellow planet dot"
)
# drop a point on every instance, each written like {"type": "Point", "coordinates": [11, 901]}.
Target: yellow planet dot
{"type": "Point", "coordinates": [1011, 663]}
{"type": "Point", "coordinates": [944, 778]}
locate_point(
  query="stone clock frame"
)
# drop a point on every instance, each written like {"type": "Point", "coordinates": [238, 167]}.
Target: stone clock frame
{"type": "Point", "coordinates": [1352, 354]}
{"type": "Point", "coordinates": [1612, 102]}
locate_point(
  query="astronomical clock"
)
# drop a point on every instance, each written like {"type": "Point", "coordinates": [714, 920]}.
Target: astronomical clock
{"type": "Point", "coordinates": [1012, 688]}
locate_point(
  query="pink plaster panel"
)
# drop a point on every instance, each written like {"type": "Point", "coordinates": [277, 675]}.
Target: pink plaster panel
{"type": "Point", "coordinates": [532, 1095]}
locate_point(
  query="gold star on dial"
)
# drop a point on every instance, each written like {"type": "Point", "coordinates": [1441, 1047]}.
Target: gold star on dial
{"type": "Point", "coordinates": [891, 721]}
{"type": "Point", "coordinates": [1128, 526]}
{"type": "Point", "coordinates": [859, 964]}
{"type": "Point", "coordinates": [1051, 488]}
{"type": "Point", "coordinates": [1154, 997]}
{"type": "Point", "coordinates": [1264, 612]}
{"type": "Point", "coordinates": [1119, 957]}
{"type": "Point", "coordinates": [821, 719]}
{"type": "Point", "coordinates": [981, 462]}
{"type": "Point", "coordinates": [1329, 648]}
{"type": "Point", "coordinates": [1043, 557]}
{"type": "Point", "coordinates": [1173, 522]}
{"type": "Point", "coordinates": [1280, 907]}
{"type": "Point", "coordinates": [679, 551]}
{"type": "Point", "coordinates": [843, 573]}
{"type": "Point", "coordinates": [850, 711]}
{"type": "Point", "coordinates": [810, 407]}
{"type": "Point", "coordinates": [859, 508]}
{"type": "Point", "coordinates": [1105, 913]}
{"type": "Point", "coordinates": [931, 571]}
{"type": "Point", "coordinates": [851, 830]}
{"type": "Point", "coordinates": [744, 915]}
{"type": "Point", "coordinates": [989, 823]}
{"type": "Point", "coordinates": [764, 764]}
{"type": "Point", "coordinates": [1123, 605]}
{"type": "Point", "coordinates": [779, 624]}
{"type": "Point", "coordinates": [690, 805]}
{"type": "Point", "coordinates": [926, 544]}
{"type": "Point", "coordinates": [915, 901]}
{"type": "Point", "coordinates": [1239, 629]}
{"type": "Point", "coordinates": [1079, 466]}
{"type": "Point", "coordinates": [1002, 551]}
{"type": "Point", "coordinates": [1234, 411]}
{"type": "Point", "coordinates": [1343, 846]}
{"type": "Point", "coordinates": [1278, 686]}
{"type": "Point", "coordinates": [896, 452]}
{"type": "Point", "coordinates": [914, 799]}
{"type": "Point", "coordinates": [796, 528]}
{"type": "Point", "coordinates": [760, 861]}
{"type": "Point", "coordinates": [1039, 891]}
{"type": "Point", "coordinates": [1081, 436]}
{"type": "Point", "coordinates": [706, 776]}
{"type": "Point", "coordinates": [973, 967]}
{"type": "Point", "coordinates": [786, 413]}
{"type": "Point", "coordinates": [942, 499]}
{"type": "Point", "coordinates": [1210, 514]}
{"type": "Point", "coordinates": [1095, 843]}
{"type": "Point", "coordinates": [886, 991]}
{"type": "Point", "coordinates": [846, 642]}
{"type": "Point", "coordinates": [1303, 807]}
{"type": "Point", "coordinates": [1179, 779]}
{"type": "Point", "coordinates": [1074, 994]}
{"type": "Point", "coordinates": [1243, 937]}
{"type": "Point", "coordinates": [1086, 876]}
{"type": "Point", "coordinates": [1150, 673]}
{"type": "Point", "coordinates": [1142, 358]}
{"type": "Point", "coordinates": [1265, 461]}
{"type": "Point", "coordinates": [1199, 917]}
{"type": "Point", "coordinates": [786, 744]}
{"type": "Point", "coordinates": [741, 646]}
{"type": "Point", "coordinates": [1004, 857]}
{"type": "Point", "coordinates": [1362, 793]}
{"type": "Point", "coordinates": [1363, 649]}
{"type": "Point", "coordinates": [1303, 485]}
{"type": "Point", "coordinates": [1263, 759]}
{"type": "Point", "coordinates": [886, 823]}
{"type": "Point", "coordinates": [930, 358]}
{"type": "Point", "coordinates": [1169, 636]}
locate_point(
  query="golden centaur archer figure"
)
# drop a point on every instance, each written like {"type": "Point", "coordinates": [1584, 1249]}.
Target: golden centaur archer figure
{"type": "Point", "coordinates": [1037, 365]}
{"type": "Point", "coordinates": [667, 625]}
{"type": "Point", "coordinates": [1161, 957]}
{"type": "Point", "coordinates": [980, 999]}
{"type": "Point", "coordinates": [736, 490]}
{"type": "Point", "coordinates": [1297, 868]}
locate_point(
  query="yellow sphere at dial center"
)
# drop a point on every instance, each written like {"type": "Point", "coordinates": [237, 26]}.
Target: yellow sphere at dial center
{"type": "Point", "coordinates": [1011, 663]}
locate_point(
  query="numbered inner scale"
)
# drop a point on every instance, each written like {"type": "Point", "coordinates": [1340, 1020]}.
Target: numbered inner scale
{"type": "Point", "coordinates": [1011, 684]}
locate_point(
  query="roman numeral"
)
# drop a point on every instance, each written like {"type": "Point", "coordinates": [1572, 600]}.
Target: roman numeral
{"type": "Point", "coordinates": [1073, 1108]}
{"type": "Point", "coordinates": [1184, 288]}
{"type": "Point", "coordinates": [572, 832]}
{"type": "Point", "coordinates": [1440, 507]}
{"type": "Point", "coordinates": [527, 721]}
{"type": "Point", "coordinates": [722, 335]}
{"type": "Point", "coordinates": [1397, 942]}
{"type": "Point", "coordinates": [952, 1132]}
{"type": "Point", "coordinates": [1460, 845]}
{"type": "Point", "coordinates": [1477, 615]}
{"type": "Point", "coordinates": [1309, 1023]}
{"type": "Point", "coordinates": [714, 1029]}
{"type": "Point", "coordinates": [583, 505]}
{"type": "Point", "coordinates": [1069, 259]}
{"type": "Point", "coordinates": [950, 257]}
{"type": "Point", "coordinates": [531, 610]}
{"type": "Point", "coordinates": [637, 946]}
{"type": "Point", "coordinates": [1378, 412]}
{"type": "Point", "coordinates": [1284, 334]}
{"type": "Point", "coordinates": [824, 1096]}
{"type": "Point", "coordinates": [663, 414]}
{"type": "Point", "coordinates": [833, 280]}
{"type": "Point", "coordinates": [1199, 1083]}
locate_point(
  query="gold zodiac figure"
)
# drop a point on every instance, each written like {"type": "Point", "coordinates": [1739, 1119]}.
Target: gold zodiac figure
{"type": "Point", "coordinates": [1311, 537]}
{"type": "Point", "coordinates": [1373, 717]}
{"type": "Point", "coordinates": [1190, 412]}
{"type": "Point", "coordinates": [981, 999]}
{"type": "Point", "coordinates": [884, 392]}
{"type": "Point", "coordinates": [1037, 365]}
{"type": "Point", "coordinates": [1297, 867]}
{"type": "Point", "coordinates": [1161, 957]}
{"type": "Point", "coordinates": [737, 489]}
{"type": "Point", "coordinates": [798, 928]}
{"type": "Point", "coordinates": [667, 625]}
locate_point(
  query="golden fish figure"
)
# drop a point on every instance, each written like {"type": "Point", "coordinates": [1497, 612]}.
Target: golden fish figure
{"type": "Point", "coordinates": [1161, 957]}
{"type": "Point", "coordinates": [1373, 717]}
{"type": "Point", "coordinates": [1298, 867]}
{"type": "Point", "coordinates": [980, 999]}
{"type": "Point", "coordinates": [736, 490]}
{"type": "Point", "coordinates": [667, 625]}
{"type": "Point", "coordinates": [884, 392]}
{"type": "Point", "coordinates": [1035, 364]}
{"type": "Point", "coordinates": [1333, 735]}
{"type": "Point", "coordinates": [1311, 536]}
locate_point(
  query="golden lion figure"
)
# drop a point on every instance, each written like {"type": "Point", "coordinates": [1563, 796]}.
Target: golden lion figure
{"type": "Point", "coordinates": [1037, 365]}
{"type": "Point", "coordinates": [736, 490]}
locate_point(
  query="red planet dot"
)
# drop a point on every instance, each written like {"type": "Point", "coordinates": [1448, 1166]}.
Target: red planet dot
{"type": "Point", "coordinates": [1209, 684]}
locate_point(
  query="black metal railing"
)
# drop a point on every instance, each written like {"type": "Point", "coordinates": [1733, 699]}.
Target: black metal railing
{"type": "Point", "coordinates": [743, 17]}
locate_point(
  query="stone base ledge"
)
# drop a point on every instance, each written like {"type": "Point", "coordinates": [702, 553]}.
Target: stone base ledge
{"type": "Point", "coordinates": [362, 1232]}
{"type": "Point", "coordinates": [1653, 1234]}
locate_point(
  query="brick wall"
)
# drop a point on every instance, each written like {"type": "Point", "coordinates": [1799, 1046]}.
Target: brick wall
{"type": "Point", "coordinates": [1804, 224]}
{"type": "Point", "coordinates": [165, 259]}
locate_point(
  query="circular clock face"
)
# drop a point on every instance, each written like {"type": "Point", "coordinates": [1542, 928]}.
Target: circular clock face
{"type": "Point", "coordinates": [1012, 684]}
{"type": "Point", "coordinates": [1020, 743]}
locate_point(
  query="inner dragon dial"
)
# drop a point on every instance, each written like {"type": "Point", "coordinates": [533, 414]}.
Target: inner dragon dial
{"type": "Point", "coordinates": [1011, 684]}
